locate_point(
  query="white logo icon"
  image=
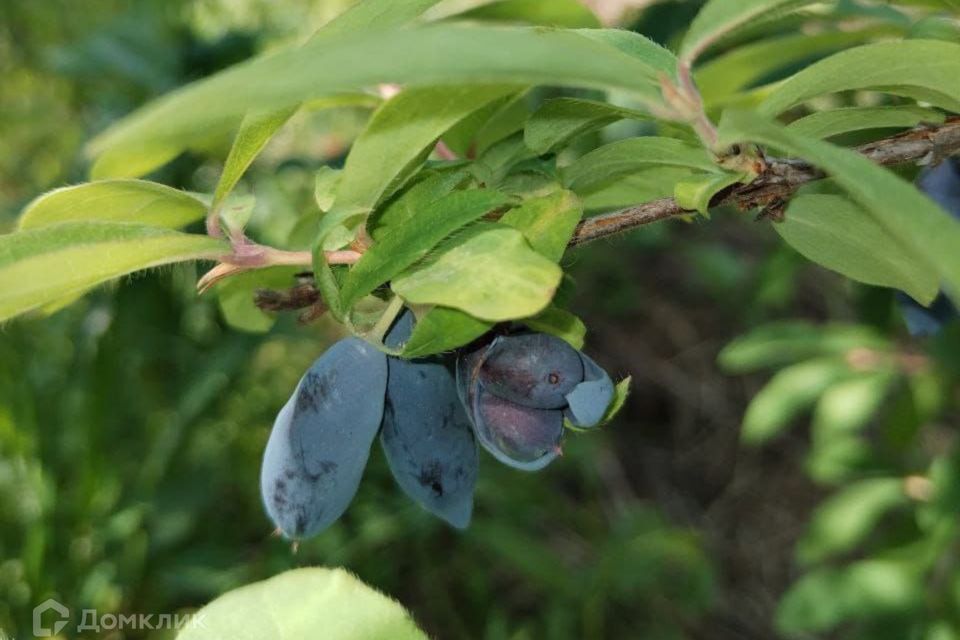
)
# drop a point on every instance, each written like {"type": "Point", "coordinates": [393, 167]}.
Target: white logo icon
{"type": "Point", "coordinates": [63, 613]}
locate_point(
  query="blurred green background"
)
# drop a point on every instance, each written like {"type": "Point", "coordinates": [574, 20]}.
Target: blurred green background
{"type": "Point", "coordinates": [132, 422]}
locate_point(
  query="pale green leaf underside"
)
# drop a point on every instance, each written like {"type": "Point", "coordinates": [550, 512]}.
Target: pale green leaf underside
{"type": "Point", "coordinates": [136, 201]}
{"type": "Point", "coordinates": [548, 222]}
{"type": "Point", "coordinates": [836, 233]}
{"type": "Point", "coordinates": [304, 603]}
{"type": "Point", "coordinates": [931, 66]}
{"type": "Point", "coordinates": [824, 124]}
{"type": "Point", "coordinates": [429, 55]}
{"type": "Point", "coordinates": [493, 275]}
{"type": "Point", "coordinates": [409, 243]}
{"type": "Point", "coordinates": [719, 18]}
{"type": "Point", "coordinates": [562, 119]}
{"type": "Point", "coordinates": [731, 72]}
{"type": "Point", "coordinates": [695, 192]}
{"type": "Point", "coordinates": [629, 156]}
{"type": "Point", "coordinates": [908, 215]}
{"type": "Point", "coordinates": [41, 266]}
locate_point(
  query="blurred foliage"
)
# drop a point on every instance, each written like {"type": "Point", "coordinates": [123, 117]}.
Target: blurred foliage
{"type": "Point", "coordinates": [132, 423]}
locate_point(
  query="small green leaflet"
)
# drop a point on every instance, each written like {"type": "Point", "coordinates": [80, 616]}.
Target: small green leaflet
{"type": "Point", "coordinates": [836, 233]}
{"type": "Point", "coordinates": [441, 54]}
{"type": "Point", "coordinates": [138, 201]}
{"type": "Point", "coordinates": [719, 18]}
{"type": "Point", "coordinates": [235, 296]}
{"type": "Point", "coordinates": [695, 192]}
{"type": "Point", "coordinates": [560, 120]}
{"type": "Point", "coordinates": [561, 323]}
{"type": "Point", "coordinates": [40, 266]}
{"type": "Point", "coordinates": [631, 155]}
{"type": "Point", "coordinates": [254, 134]}
{"type": "Point", "coordinates": [410, 242]}
{"type": "Point", "coordinates": [789, 392]}
{"type": "Point", "coordinates": [428, 188]}
{"type": "Point", "coordinates": [442, 329]}
{"type": "Point", "coordinates": [910, 217]}
{"type": "Point", "coordinates": [298, 604]}
{"type": "Point", "coordinates": [491, 273]}
{"type": "Point", "coordinates": [824, 124]}
{"type": "Point", "coordinates": [548, 222]}
{"type": "Point", "coordinates": [930, 66]}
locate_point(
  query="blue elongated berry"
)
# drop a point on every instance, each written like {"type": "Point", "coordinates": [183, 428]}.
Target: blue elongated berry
{"type": "Point", "coordinates": [321, 439]}
{"type": "Point", "coordinates": [522, 437]}
{"type": "Point", "coordinates": [589, 400]}
{"type": "Point", "coordinates": [536, 370]}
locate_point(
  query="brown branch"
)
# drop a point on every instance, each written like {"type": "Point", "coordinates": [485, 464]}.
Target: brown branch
{"type": "Point", "coordinates": [776, 183]}
{"type": "Point", "coordinates": [780, 180]}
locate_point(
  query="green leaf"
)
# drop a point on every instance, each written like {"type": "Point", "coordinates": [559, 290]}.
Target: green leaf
{"type": "Point", "coordinates": [137, 201]}
{"type": "Point", "coordinates": [40, 266]}
{"type": "Point", "coordinates": [235, 213]}
{"type": "Point", "coordinates": [561, 323]}
{"type": "Point", "coordinates": [824, 124]}
{"type": "Point", "coordinates": [731, 72]}
{"type": "Point", "coordinates": [624, 191]}
{"type": "Point", "coordinates": [363, 16]}
{"type": "Point", "coordinates": [428, 188]}
{"type": "Point", "coordinates": [547, 222]}
{"type": "Point", "coordinates": [497, 120]}
{"type": "Point", "coordinates": [911, 217]}
{"type": "Point", "coordinates": [620, 394]}
{"type": "Point", "coordinates": [931, 66]}
{"type": "Point", "coordinates": [839, 235]}
{"type": "Point", "coordinates": [560, 120]}
{"type": "Point", "coordinates": [824, 598]}
{"type": "Point", "coordinates": [235, 297]}
{"type": "Point", "coordinates": [441, 329]}
{"type": "Point", "coordinates": [428, 55]}
{"type": "Point", "coordinates": [556, 13]}
{"type": "Point", "coordinates": [397, 135]}
{"type": "Point", "coordinates": [631, 155]}
{"type": "Point", "coordinates": [788, 393]}
{"type": "Point", "coordinates": [842, 521]}
{"type": "Point", "coordinates": [254, 134]}
{"type": "Point", "coordinates": [492, 274]}
{"type": "Point", "coordinates": [408, 243]}
{"type": "Point", "coordinates": [303, 603]}
{"type": "Point", "coordinates": [781, 343]}
{"type": "Point", "coordinates": [719, 18]}
{"type": "Point", "coordinates": [695, 192]}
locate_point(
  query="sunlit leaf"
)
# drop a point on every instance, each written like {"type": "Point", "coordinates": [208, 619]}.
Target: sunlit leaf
{"type": "Point", "coordinates": [547, 222]}
{"type": "Point", "coordinates": [137, 201]}
{"type": "Point", "coordinates": [41, 266]}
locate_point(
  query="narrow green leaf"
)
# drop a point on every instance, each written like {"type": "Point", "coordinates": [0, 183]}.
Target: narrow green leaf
{"type": "Point", "coordinates": [398, 133]}
{"type": "Point", "coordinates": [695, 192]}
{"type": "Point", "coordinates": [561, 323]}
{"type": "Point", "coordinates": [631, 155]}
{"type": "Point", "coordinates": [442, 329]}
{"type": "Point", "coordinates": [235, 297]}
{"type": "Point", "coordinates": [731, 72]}
{"type": "Point", "coordinates": [136, 201]}
{"type": "Point", "coordinates": [624, 191]}
{"type": "Point", "coordinates": [428, 188]}
{"type": "Point", "coordinates": [560, 120]}
{"type": "Point", "coordinates": [780, 343]}
{"type": "Point", "coordinates": [497, 120]}
{"type": "Point", "coordinates": [719, 18]}
{"type": "Point", "coordinates": [911, 217]}
{"type": "Point", "coordinates": [255, 132]}
{"type": "Point", "coordinates": [637, 46]}
{"type": "Point", "coordinates": [408, 243]}
{"type": "Point", "coordinates": [547, 222]}
{"type": "Point", "coordinates": [788, 393]}
{"type": "Point", "coordinates": [847, 517]}
{"type": "Point", "coordinates": [429, 55]}
{"type": "Point", "coordinates": [556, 13]}
{"type": "Point", "coordinates": [40, 266]}
{"type": "Point", "coordinates": [839, 235]}
{"type": "Point", "coordinates": [824, 124]}
{"type": "Point", "coordinates": [492, 274]}
{"type": "Point", "coordinates": [931, 66]}
{"type": "Point", "coordinates": [620, 394]}
{"type": "Point", "coordinates": [296, 604]}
